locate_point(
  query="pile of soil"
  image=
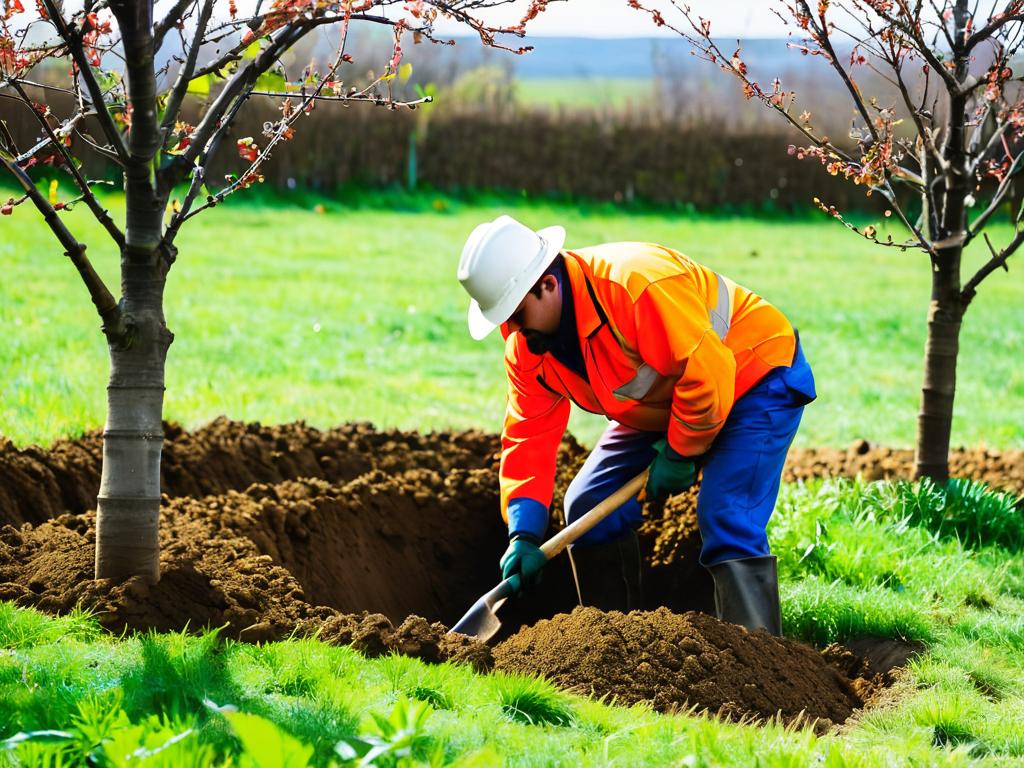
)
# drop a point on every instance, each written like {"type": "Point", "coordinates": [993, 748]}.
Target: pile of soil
{"type": "Point", "coordinates": [1000, 469]}
{"type": "Point", "coordinates": [354, 534]}
{"type": "Point", "coordinates": [37, 484]}
{"type": "Point", "coordinates": [265, 530]}
{"type": "Point", "coordinates": [216, 572]}
{"type": "Point", "coordinates": [678, 661]}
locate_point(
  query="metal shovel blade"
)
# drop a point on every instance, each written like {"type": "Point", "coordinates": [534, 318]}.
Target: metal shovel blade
{"type": "Point", "coordinates": [481, 621]}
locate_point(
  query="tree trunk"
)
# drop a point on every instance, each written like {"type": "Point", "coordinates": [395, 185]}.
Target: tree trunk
{"type": "Point", "coordinates": [128, 506]}
{"type": "Point", "coordinates": [935, 418]}
{"type": "Point", "coordinates": [945, 311]}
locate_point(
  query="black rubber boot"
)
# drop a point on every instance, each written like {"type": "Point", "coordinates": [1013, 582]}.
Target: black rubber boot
{"type": "Point", "coordinates": [608, 575]}
{"type": "Point", "coordinates": [747, 593]}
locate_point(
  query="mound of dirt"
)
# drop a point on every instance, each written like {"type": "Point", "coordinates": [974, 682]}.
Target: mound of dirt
{"type": "Point", "coordinates": [677, 662]}
{"type": "Point", "coordinates": [38, 484]}
{"type": "Point", "coordinates": [1000, 469]}
{"type": "Point", "coordinates": [217, 575]}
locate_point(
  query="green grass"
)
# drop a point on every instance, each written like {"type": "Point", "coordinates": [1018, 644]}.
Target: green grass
{"type": "Point", "coordinates": [850, 561]}
{"type": "Point", "coordinates": [283, 313]}
{"type": "Point", "coordinates": [863, 563]}
{"type": "Point", "coordinates": [601, 93]}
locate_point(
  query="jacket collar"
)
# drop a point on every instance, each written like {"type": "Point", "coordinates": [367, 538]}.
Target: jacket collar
{"type": "Point", "coordinates": [589, 315]}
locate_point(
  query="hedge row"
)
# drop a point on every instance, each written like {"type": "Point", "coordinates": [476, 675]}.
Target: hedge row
{"type": "Point", "coordinates": [603, 157]}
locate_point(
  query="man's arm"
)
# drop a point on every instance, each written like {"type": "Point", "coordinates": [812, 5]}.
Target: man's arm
{"type": "Point", "coordinates": [535, 422]}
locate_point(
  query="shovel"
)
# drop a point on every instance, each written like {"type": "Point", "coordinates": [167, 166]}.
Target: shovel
{"type": "Point", "coordinates": [481, 621]}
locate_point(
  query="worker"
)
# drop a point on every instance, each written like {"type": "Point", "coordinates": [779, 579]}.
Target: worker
{"type": "Point", "coordinates": [696, 373]}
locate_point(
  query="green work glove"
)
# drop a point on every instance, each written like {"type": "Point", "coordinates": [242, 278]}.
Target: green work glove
{"type": "Point", "coordinates": [523, 557]}
{"type": "Point", "coordinates": [671, 472]}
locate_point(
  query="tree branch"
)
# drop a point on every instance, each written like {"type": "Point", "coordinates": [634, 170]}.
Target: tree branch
{"type": "Point", "coordinates": [162, 27]}
{"type": "Point", "coordinates": [890, 196]}
{"type": "Point", "coordinates": [90, 199]}
{"type": "Point", "coordinates": [256, 21]}
{"type": "Point", "coordinates": [198, 171]}
{"type": "Point", "coordinates": [285, 39]}
{"type": "Point", "coordinates": [235, 53]}
{"type": "Point", "coordinates": [975, 142]}
{"type": "Point", "coordinates": [217, 64]}
{"type": "Point", "coordinates": [207, 135]}
{"type": "Point", "coordinates": [114, 327]}
{"type": "Point", "coordinates": [823, 39]}
{"type": "Point", "coordinates": [185, 73]}
{"type": "Point", "coordinates": [105, 151]}
{"type": "Point", "coordinates": [974, 228]}
{"type": "Point", "coordinates": [74, 45]}
{"type": "Point", "coordinates": [41, 86]}
{"type": "Point", "coordinates": [909, 29]}
{"type": "Point", "coordinates": [998, 260]}
{"type": "Point", "coordinates": [931, 152]}
{"type": "Point", "coordinates": [366, 98]}
{"type": "Point", "coordinates": [942, 25]}
{"type": "Point", "coordinates": [992, 27]}
{"type": "Point", "coordinates": [198, 179]}
{"type": "Point", "coordinates": [236, 87]}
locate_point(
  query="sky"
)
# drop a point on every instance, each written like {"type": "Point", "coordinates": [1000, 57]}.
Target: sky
{"type": "Point", "coordinates": [613, 18]}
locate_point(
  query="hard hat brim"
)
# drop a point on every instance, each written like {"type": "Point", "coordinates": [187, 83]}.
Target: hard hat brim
{"type": "Point", "coordinates": [481, 325]}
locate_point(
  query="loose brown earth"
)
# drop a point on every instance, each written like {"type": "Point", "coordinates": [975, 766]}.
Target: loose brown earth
{"type": "Point", "coordinates": [677, 660]}
{"type": "Point", "coordinates": [354, 534]}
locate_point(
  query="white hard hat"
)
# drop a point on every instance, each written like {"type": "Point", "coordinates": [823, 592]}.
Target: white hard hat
{"type": "Point", "coordinates": [500, 262]}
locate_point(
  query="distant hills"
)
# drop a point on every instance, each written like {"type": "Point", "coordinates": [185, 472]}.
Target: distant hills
{"type": "Point", "coordinates": [635, 57]}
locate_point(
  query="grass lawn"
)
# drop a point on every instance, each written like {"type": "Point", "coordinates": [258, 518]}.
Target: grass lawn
{"type": "Point", "coordinates": [282, 312]}
{"type": "Point", "coordinates": [880, 558]}
{"type": "Point", "coordinates": [608, 93]}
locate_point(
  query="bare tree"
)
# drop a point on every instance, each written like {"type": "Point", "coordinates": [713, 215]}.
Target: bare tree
{"type": "Point", "coordinates": [948, 131]}
{"type": "Point", "coordinates": [111, 51]}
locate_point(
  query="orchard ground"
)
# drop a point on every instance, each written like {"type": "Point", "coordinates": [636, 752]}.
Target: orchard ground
{"type": "Point", "coordinates": [316, 555]}
{"type": "Point", "coordinates": [903, 609]}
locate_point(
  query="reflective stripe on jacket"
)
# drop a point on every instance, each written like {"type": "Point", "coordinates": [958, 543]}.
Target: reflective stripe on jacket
{"type": "Point", "coordinates": [668, 344]}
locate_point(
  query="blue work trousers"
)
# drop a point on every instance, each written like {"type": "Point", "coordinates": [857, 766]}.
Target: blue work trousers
{"type": "Point", "coordinates": [741, 471]}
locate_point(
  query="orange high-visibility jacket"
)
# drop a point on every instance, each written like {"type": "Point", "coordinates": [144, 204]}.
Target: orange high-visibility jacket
{"type": "Point", "coordinates": [668, 345]}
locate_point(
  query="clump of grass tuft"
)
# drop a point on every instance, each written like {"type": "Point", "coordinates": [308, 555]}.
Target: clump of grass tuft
{"type": "Point", "coordinates": [863, 536]}
{"type": "Point", "coordinates": [411, 678]}
{"type": "Point", "coordinates": [435, 698]}
{"type": "Point", "coordinates": [997, 629]}
{"type": "Point", "coordinates": [956, 662]}
{"type": "Point", "coordinates": [823, 612]}
{"type": "Point", "coordinates": [21, 627]}
{"type": "Point", "coordinates": [176, 672]}
{"type": "Point", "coordinates": [948, 717]}
{"type": "Point", "coordinates": [288, 668]}
{"type": "Point", "coordinates": [967, 510]}
{"type": "Point", "coordinates": [955, 735]}
{"type": "Point", "coordinates": [532, 701]}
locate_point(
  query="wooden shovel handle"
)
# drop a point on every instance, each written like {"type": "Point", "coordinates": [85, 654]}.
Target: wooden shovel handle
{"type": "Point", "coordinates": [570, 533]}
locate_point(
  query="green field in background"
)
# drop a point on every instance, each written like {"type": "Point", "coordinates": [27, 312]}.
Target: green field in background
{"type": "Point", "coordinates": [352, 312]}
{"type": "Point", "coordinates": [611, 93]}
